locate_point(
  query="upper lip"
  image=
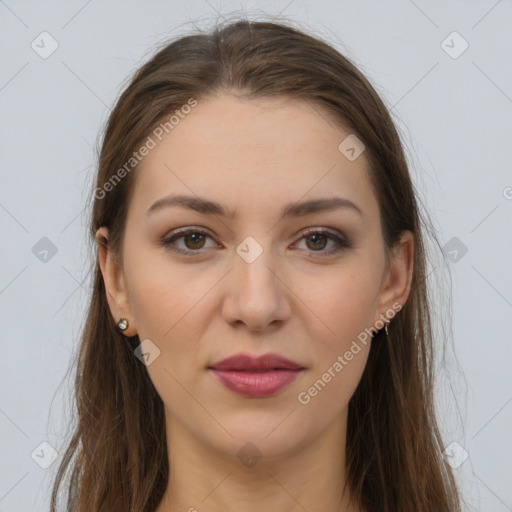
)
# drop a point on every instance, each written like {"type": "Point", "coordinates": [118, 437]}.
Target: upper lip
{"type": "Point", "coordinates": [264, 362]}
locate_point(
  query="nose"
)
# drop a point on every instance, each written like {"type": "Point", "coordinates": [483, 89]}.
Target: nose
{"type": "Point", "coordinates": [256, 295]}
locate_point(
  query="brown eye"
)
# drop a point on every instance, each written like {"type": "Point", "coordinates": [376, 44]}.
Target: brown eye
{"type": "Point", "coordinates": [194, 240]}
{"type": "Point", "coordinates": [191, 241]}
{"type": "Point", "coordinates": [316, 240]}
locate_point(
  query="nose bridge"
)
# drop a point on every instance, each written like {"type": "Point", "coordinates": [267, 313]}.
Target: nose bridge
{"type": "Point", "coordinates": [252, 265]}
{"type": "Point", "coordinates": [256, 297]}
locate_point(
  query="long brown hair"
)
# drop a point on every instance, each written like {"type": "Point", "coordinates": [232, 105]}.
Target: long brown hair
{"type": "Point", "coordinates": [116, 453]}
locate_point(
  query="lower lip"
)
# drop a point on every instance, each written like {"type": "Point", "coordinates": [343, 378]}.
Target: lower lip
{"type": "Point", "coordinates": [256, 384]}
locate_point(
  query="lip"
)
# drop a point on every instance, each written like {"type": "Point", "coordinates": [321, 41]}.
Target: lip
{"type": "Point", "coordinates": [247, 362]}
{"type": "Point", "coordinates": [256, 377]}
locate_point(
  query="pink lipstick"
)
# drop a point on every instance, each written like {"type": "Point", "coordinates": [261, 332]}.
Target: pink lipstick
{"type": "Point", "coordinates": [256, 377]}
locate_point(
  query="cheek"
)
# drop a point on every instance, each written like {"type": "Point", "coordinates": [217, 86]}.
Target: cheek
{"type": "Point", "coordinates": [341, 313]}
{"type": "Point", "coordinates": [341, 308]}
{"type": "Point", "coordinates": [341, 303]}
{"type": "Point", "coordinates": [335, 381]}
{"type": "Point", "coordinates": [164, 296]}
{"type": "Point", "coordinates": [171, 306]}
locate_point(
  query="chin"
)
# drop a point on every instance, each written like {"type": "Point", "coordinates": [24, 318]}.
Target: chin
{"type": "Point", "coordinates": [259, 434]}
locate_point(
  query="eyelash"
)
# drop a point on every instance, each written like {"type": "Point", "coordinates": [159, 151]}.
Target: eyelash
{"type": "Point", "coordinates": [168, 241]}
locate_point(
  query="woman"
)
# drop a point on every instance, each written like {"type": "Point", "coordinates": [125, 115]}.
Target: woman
{"type": "Point", "coordinates": [259, 334]}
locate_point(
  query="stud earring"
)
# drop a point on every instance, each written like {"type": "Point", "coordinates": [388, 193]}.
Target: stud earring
{"type": "Point", "coordinates": [122, 325]}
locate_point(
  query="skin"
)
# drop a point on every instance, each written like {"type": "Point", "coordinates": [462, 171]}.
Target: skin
{"type": "Point", "coordinates": [254, 156]}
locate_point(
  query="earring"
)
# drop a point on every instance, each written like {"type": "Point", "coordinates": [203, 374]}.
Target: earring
{"type": "Point", "coordinates": [122, 325]}
{"type": "Point", "coordinates": [386, 327]}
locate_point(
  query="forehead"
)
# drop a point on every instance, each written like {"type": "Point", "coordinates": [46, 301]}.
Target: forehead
{"type": "Point", "coordinates": [253, 152]}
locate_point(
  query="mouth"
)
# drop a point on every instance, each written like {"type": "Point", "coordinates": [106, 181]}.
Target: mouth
{"type": "Point", "coordinates": [247, 362]}
{"type": "Point", "coordinates": [256, 377]}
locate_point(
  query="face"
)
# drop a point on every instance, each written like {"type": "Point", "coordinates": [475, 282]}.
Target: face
{"type": "Point", "coordinates": [247, 279]}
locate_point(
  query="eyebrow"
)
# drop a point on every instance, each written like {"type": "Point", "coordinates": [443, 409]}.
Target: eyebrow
{"type": "Point", "coordinates": [296, 209]}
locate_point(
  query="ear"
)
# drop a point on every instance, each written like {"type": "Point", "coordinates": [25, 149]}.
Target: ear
{"type": "Point", "coordinates": [115, 285]}
{"type": "Point", "coordinates": [396, 285]}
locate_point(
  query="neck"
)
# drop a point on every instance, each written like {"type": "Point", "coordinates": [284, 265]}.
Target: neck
{"type": "Point", "coordinates": [206, 479]}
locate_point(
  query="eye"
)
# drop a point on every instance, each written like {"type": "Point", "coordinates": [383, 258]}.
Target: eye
{"type": "Point", "coordinates": [317, 239]}
{"type": "Point", "coordinates": [194, 240]}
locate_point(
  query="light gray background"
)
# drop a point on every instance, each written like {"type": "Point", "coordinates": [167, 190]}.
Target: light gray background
{"type": "Point", "coordinates": [455, 115]}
